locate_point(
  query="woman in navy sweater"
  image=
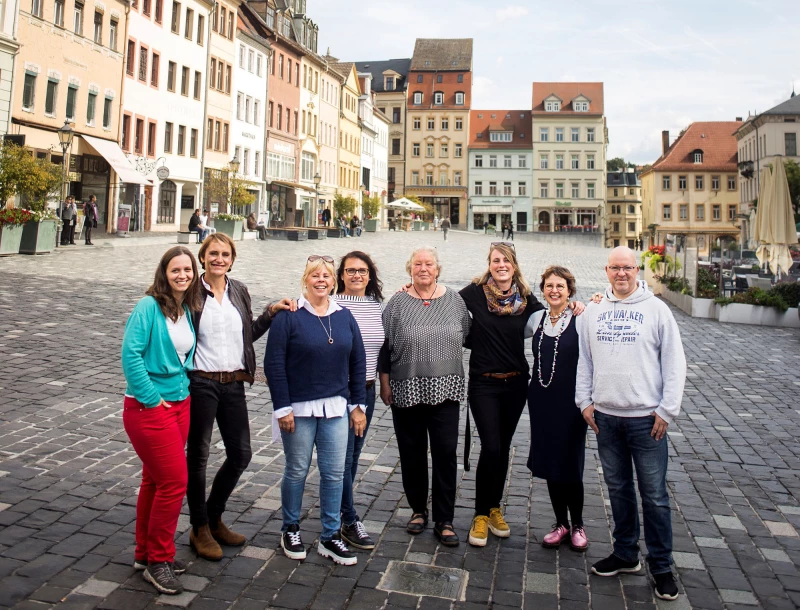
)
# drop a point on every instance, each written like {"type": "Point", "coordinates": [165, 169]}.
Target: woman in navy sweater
{"type": "Point", "coordinates": [315, 366]}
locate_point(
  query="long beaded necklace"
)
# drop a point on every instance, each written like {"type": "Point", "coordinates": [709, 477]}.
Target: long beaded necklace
{"type": "Point", "coordinates": [561, 316]}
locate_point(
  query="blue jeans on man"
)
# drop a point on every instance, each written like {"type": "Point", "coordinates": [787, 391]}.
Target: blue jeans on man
{"type": "Point", "coordinates": [203, 233]}
{"type": "Point", "coordinates": [624, 443]}
{"type": "Point", "coordinates": [329, 435]}
{"type": "Point", "coordinates": [354, 446]}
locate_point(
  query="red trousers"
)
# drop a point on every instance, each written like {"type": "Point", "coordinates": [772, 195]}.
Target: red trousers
{"type": "Point", "coordinates": [158, 436]}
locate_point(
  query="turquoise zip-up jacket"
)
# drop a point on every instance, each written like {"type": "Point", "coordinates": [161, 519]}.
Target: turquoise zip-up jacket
{"type": "Point", "coordinates": [149, 361]}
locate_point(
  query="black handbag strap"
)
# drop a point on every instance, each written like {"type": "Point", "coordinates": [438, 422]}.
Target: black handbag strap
{"type": "Point", "coordinates": [467, 439]}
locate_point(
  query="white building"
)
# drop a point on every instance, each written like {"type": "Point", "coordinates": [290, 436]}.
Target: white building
{"type": "Point", "coordinates": [311, 68]}
{"type": "Point", "coordinates": [8, 49]}
{"type": "Point", "coordinates": [248, 128]}
{"type": "Point", "coordinates": [329, 88]}
{"type": "Point", "coordinates": [499, 169]}
{"type": "Point", "coordinates": [366, 121]}
{"type": "Point", "coordinates": [380, 159]}
{"type": "Point", "coordinates": [164, 100]}
{"type": "Point", "coordinates": [569, 157]}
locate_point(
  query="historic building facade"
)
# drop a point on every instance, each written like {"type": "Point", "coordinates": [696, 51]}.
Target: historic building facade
{"type": "Point", "coordinates": [349, 161]}
{"type": "Point", "coordinates": [624, 210]}
{"type": "Point", "coordinates": [8, 50]}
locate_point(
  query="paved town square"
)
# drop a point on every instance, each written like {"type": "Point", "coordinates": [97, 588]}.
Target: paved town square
{"type": "Point", "coordinates": [69, 477]}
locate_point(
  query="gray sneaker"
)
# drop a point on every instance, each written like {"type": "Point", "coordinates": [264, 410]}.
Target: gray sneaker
{"type": "Point", "coordinates": [161, 576]}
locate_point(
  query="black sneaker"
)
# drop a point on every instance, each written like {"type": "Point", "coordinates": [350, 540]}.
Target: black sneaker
{"type": "Point", "coordinates": [355, 535]}
{"type": "Point", "coordinates": [338, 551]}
{"type": "Point", "coordinates": [613, 565]}
{"type": "Point", "coordinates": [291, 543]}
{"type": "Point", "coordinates": [178, 567]}
{"type": "Point", "coordinates": [163, 578]}
{"type": "Point", "coordinates": [665, 586]}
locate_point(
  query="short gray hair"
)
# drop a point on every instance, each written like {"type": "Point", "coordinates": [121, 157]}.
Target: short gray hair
{"type": "Point", "coordinates": [430, 250]}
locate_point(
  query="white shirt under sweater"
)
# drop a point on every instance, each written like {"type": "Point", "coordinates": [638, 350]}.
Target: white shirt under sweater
{"type": "Point", "coordinates": [182, 337]}
{"type": "Point", "coordinates": [332, 406]}
{"type": "Point", "coordinates": [220, 344]}
{"type": "Point", "coordinates": [367, 312]}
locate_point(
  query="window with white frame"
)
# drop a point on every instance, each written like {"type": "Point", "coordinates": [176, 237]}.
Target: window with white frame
{"type": "Point", "coordinates": [576, 190]}
{"type": "Point", "coordinates": [522, 161]}
{"type": "Point", "coordinates": [415, 178]}
{"type": "Point", "coordinates": [443, 177]}
{"type": "Point", "coordinates": [590, 134]}
{"type": "Point", "coordinates": [492, 160]}
{"type": "Point", "coordinates": [478, 160]}
{"type": "Point", "coordinates": [445, 124]}
{"type": "Point", "coordinates": [589, 161]}
{"type": "Point", "coordinates": [307, 164]}
{"type": "Point", "coordinates": [493, 188]}
{"type": "Point", "coordinates": [257, 163]}
{"type": "Point", "coordinates": [522, 189]}
{"type": "Point", "coordinates": [559, 134]}
{"type": "Point", "coordinates": [559, 161]}
{"type": "Point", "coordinates": [575, 162]}
{"type": "Point", "coordinates": [458, 150]}
{"type": "Point", "coordinates": [559, 190]}
{"type": "Point", "coordinates": [698, 157]}
{"type": "Point", "coordinates": [459, 99]}
{"type": "Point", "coordinates": [553, 106]}
{"type": "Point", "coordinates": [429, 178]}
{"type": "Point", "coordinates": [479, 188]}
{"type": "Point", "coordinates": [543, 190]}
{"type": "Point", "coordinates": [500, 136]}
{"type": "Point", "coordinates": [714, 183]}
{"type": "Point", "coordinates": [581, 106]}
{"type": "Point", "coordinates": [590, 190]}
{"type": "Point", "coordinates": [456, 178]}
{"type": "Point", "coordinates": [575, 134]}
{"type": "Point", "coordinates": [443, 150]}
{"type": "Point", "coordinates": [666, 183]}
{"type": "Point", "coordinates": [506, 160]}
{"type": "Point", "coordinates": [416, 123]}
{"type": "Point", "coordinates": [239, 106]}
{"type": "Point", "coordinates": [543, 161]}
{"type": "Point", "coordinates": [429, 150]}
{"type": "Point", "coordinates": [438, 98]}
{"type": "Point", "coordinates": [459, 124]}
{"type": "Point", "coordinates": [417, 98]}
{"type": "Point", "coordinates": [507, 189]}
{"type": "Point", "coordinates": [431, 124]}
{"type": "Point", "coordinates": [731, 183]}
{"type": "Point", "coordinates": [683, 211]}
{"type": "Point", "coordinates": [246, 162]}
{"type": "Point", "coordinates": [415, 149]}
{"type": "Point", "coordinates": [544, 134]}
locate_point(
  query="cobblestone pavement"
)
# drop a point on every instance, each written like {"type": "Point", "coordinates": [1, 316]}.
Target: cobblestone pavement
{"type": "Point", "coordinates": [68, 476]}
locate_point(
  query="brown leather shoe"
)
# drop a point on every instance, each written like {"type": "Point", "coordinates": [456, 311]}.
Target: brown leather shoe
{"type": "Point", "coordinates": [225, 536]}
{"type": "Point", "coordinates": [204, 544]}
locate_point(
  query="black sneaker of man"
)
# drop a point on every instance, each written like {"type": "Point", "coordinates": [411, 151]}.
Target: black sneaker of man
{"type": "Point", "coordinates": [355, 535]}
{"type": "Point", "coordinates": [291, 543]}
{"type": "Point", "coordinates": [665, 586]}
{"type": "Point", "coordinates": [178, 567]}
{"type": "Point", "coordinates": [613, 565]}
{"type": "Point", "coordinates": [338, 551]}
{"type": "Point", "coordinates": [161, 576]}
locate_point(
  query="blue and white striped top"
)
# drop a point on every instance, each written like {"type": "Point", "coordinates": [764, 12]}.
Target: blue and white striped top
{"type": "Point", "coordinates": [367, 312]}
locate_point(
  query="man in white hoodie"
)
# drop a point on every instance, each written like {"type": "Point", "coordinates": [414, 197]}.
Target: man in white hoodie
{"type": "Point", "coordinates": [630, 380]}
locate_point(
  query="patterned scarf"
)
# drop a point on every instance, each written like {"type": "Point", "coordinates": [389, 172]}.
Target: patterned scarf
{"type": "Point", "coordinates": [511, 304]}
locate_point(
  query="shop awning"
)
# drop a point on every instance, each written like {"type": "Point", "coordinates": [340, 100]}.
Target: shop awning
{"type": "Point", "coordinates": [492, 209]}
{"type": "Point", "coordinates": [112, 153]}
{"type": "Point", "coordinates": [294, 185]}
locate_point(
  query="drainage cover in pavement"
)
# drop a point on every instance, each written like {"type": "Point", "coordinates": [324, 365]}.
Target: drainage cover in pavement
{"type": "Point", "coordinates": [420, 579]}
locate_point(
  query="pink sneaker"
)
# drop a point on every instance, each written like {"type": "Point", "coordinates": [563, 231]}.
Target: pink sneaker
{"type": "Point", "coordinates": [578, 540]}
{"type": "Point", "coordinates": [554, 539]}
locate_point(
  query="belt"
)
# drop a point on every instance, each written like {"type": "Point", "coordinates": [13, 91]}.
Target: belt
{"type": "Point", "coordinates": [225, 377]}
{"type": "Point", "coordinates": [370, 384]}
{"type": "Point", "coordinates": [501, 375]}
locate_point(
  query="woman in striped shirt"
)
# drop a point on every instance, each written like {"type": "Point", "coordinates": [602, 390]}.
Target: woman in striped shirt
{"type": "Point", "coordinates": [359, 290]}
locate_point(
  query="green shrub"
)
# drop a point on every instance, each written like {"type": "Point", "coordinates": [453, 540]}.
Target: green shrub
{"type": "Point", "coordinates": [707, 287]}
{"type": "Point", "coordinates": [755, 296]}
{"type": "Point", "coordinates": [788, 291]}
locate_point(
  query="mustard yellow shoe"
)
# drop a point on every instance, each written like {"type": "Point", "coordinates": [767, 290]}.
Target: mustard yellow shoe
{"type": "Point", "coordinates": [479, 532]}
{"type": "Point", "coordinates": [497, 524]}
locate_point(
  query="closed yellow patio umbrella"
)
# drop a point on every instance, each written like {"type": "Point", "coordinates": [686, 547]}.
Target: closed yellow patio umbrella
{"type": "Point", "coordinates": [775, 228]}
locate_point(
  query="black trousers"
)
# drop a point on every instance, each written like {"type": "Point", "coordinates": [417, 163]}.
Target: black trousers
{"type": "Point", "coordinates": [413, 426]}
{"type": "Point", "coordinates": [567, 496]}
{"type": "Point", "coordinates": [68, 233]}
{"type": "Point", "coordinates": [87, 228]}
{"type": "Point", "coordinates": [225, 403]}
{"type": "Point", "coordinates": [496, 406]}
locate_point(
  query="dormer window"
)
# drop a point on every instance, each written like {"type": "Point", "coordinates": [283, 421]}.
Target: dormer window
{"type": "Point", "coordinates": [554, 106]}
{"type": "Point", "coordinates": [417, 98]}
{"type": "Point", "coordinates": [389, 83]}
{"type": "Point", "coordinates": [500, 136]}
{"type": "Point", "coordinates": [438, 98]}
{"type": "Point", "coordinates": [698, 156]}
{"type": "Point", "coordinates": [581, 106]}
{"type": "Point", "coordinates": [459, 98]}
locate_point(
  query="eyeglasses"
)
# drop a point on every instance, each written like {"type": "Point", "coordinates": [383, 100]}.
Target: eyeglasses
{"type": "Point", "coordinates": [626, 268]}
{"type": "Point", "coordinates": [362, 272]}
{"type": "Point", "coordinates": [510, 244]}
{"type": "Point", "coordinates": [316, 257]}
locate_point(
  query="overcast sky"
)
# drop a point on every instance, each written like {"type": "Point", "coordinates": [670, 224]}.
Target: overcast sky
{"type": "Point", "coordinates": [665, 63]}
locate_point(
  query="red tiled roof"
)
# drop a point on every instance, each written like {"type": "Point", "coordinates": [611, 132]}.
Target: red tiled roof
{"type": "Point", "coordinates": [567, 92]}
{"type": "Point", "coordinates": [516, 121]}
{"type": "Point", "coordinates": [717, 141]}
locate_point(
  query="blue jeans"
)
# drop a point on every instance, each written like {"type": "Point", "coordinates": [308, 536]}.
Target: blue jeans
{"type": "Point", "coordinates": [329, 435]}
{"type": "Point", "coordinates": [203, 233]}
{"type": "Point", "coordinates": [354, 445]}
{"type": "Point", "coordinates": [625, 443]}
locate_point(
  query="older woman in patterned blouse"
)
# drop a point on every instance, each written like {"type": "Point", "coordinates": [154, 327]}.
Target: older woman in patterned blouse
{"type": "Point", "coordinates": [422, 378]}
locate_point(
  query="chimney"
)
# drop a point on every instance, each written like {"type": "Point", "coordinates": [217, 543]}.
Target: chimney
{"type": "Point", "coordinates": [664, 142]}
{"type": "Point", "coordinates": [738, 119]}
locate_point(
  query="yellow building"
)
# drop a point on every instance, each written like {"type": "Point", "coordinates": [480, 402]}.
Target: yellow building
{"type": "Point", "coordinates": [69, 70]}
{"type": "Point", "coordinates": [349, 179]}
{"type": "Point", "coordinates": [623, 210]}
{"type": "Point", "coordinates": [691, 190]}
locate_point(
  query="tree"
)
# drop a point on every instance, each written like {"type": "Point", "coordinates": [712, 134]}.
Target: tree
{"type": "Point", "coordinates": [371, 206]}
{"type": "Point", "coordinates": [344, 206]}
{"type": "Point", "coordinates": [34, 180]}
{"type": "Point", "coordinates": [793, 177]}
{"type": "Point", "coordinates": [228, 188]}
{"type": "Point", "coordinates": [617, 164]}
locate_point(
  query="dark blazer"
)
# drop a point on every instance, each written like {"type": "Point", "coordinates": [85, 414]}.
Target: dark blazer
{"type": "Point", "coordinates": [252, 330]}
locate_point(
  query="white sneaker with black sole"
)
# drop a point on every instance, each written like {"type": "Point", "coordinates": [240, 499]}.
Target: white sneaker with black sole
{"type": "Point", "coordinates": [161, 576]}
{"type": "Point", "coordinates": [338, 551]}
{"type": "Point", "coordinates": [291, 543]}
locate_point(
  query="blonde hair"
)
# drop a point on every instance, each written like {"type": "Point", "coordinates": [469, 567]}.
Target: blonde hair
{"type": "Point", "coordinates": [312, 266]}
{"type": "Point", "coordinates": [430, 250]}
{"type": "Point", "coordinates": [511, 255]}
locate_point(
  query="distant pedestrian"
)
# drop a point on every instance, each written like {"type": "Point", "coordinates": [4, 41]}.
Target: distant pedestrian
{"type": "Point", "coordinates": [90, 218]}
{"type": "Point", "coordinates": [630, 380]}
{"type": "Point", "coordinates": [69, 216]}
{"type": "Point", "coordinates": [485, 227]}
{"type": "Point", "coordinates": [445, 227]}
{"type": "Point", "coordinates": [196, 226]}
{"type": "Point", "coordinates": [435, 223]}
{"type": "Point", "coordinates": [326, 217]}
{"type": "Point", "coordinates": [510, 230]}
{"type": "Point", "coordinates": [157, 353]}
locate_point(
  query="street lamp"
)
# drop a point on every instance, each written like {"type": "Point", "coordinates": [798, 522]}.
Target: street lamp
{"type": "Point", "coordinates": [65, 135]}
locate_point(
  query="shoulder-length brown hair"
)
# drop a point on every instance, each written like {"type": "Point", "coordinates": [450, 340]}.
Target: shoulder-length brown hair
{"type": "Point", "coordinates": [562, 272]}
{"type": "Point", "coordinates": [511, 255]}
{"type": "Point", "coordinates": [160, 289]}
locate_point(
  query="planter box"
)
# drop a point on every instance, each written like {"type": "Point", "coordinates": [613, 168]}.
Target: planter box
{"type": "Point", "coordinates": [336, 233]}
{"type": "Point", "coordinates": [371, 225]}
{"type": "Point", "coordinates": [426, 226]}
{"type": "Point", "coordinates": [10, 238]}
{"type": "Point", "coordinates": [416, 225]}
{"type": "Point", "coordinates": [231, 228]}
{"type": "Point", "coordinates": [739, 313]}
{"type": "Point", "coordinates": [656, 286]}
{"type": "Point", "coordinates": [38, 237]}
{"type": "Point", "coordinates": [697, 308]}
{"type": "Point", "coordinates": [317, 233]}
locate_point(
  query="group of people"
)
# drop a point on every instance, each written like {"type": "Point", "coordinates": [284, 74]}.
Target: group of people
{"type": "Point", "coordinates": [198, 223]}
{"type": "Point", "coordinates": [70, 218]}
{"type": "Point", "coordinates": [616, 366]}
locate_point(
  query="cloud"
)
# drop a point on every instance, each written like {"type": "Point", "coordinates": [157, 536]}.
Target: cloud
{"type": "Point", "coordinates": [510, 12]}
{"type": "Point", "coordinates": [499, 61]}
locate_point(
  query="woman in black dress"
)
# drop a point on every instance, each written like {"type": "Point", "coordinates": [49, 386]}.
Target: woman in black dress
{"type": "Point", "coordinates": [558, 431]}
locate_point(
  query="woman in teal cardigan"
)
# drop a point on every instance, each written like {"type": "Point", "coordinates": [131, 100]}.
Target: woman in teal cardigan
{"type": "Point", "coordinates": [157, 352]}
